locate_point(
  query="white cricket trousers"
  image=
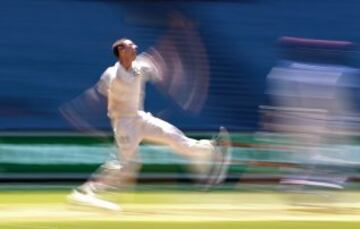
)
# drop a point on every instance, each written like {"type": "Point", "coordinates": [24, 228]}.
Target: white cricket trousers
{"type": "Point", "coordinates": [130, 131]}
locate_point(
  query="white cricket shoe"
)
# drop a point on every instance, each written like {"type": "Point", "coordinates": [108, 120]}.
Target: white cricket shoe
{"type": "Point", "coordinates": [91, 200]}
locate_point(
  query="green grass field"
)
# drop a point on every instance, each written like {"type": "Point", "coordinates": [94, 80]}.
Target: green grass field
{"type": "Point", "coordinates": [180, 209]}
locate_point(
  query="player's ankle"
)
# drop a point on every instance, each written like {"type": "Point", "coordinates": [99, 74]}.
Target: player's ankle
{"type": "Point", "coordinates": [87, 188]}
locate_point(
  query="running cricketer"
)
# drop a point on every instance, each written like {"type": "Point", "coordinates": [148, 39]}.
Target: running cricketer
{"type": "Point", "coordinates": [123, 86]}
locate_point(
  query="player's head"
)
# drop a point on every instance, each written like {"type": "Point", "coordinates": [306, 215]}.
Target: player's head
{"type": "Point", "coordinates": [124, 50]}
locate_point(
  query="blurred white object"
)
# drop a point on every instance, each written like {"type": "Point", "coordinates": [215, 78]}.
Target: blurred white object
{"type": "Point", "coordinates": [91, 200]}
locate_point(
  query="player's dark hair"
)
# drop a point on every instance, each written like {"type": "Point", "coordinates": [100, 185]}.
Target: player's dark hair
{"type": "Point", "coordinates": [118, 43]}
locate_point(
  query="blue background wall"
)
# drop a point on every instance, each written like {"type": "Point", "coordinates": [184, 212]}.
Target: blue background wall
{"type": "Point", "coordinates": [51, 51]}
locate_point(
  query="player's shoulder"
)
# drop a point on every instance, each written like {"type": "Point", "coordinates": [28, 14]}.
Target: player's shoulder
{"type": "Point", "coordinates": [112, 69]}
{"type": "Point", "coordinates": [110, 72]}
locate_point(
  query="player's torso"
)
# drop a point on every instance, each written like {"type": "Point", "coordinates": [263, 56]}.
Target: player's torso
{"type": "Point", "coordinates": [126, 92]}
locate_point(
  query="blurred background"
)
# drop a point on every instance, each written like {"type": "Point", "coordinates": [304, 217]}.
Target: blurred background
{"type": "Point", "coordinates": [52, 51]}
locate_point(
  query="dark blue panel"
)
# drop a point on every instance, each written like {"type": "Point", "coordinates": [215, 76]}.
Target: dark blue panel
{"type": "Point", "coordinates": [51, 51]}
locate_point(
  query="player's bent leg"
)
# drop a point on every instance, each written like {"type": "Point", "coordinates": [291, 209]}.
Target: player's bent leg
{"type": "Point", "coordinates": [215, 162]}
{"type": "Point", "coordinates": [211, 158]}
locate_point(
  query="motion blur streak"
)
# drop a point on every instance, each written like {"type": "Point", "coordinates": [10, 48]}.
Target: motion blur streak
{"type": "Point", "coordinates": [311, 105]}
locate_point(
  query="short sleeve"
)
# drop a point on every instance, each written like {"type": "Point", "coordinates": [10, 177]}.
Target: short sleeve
{"type": "Point", "coordinates": [103, 84]}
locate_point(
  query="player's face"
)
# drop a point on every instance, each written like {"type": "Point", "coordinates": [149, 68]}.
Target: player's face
{"type": "Point", "coordinates": [127, 53]}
